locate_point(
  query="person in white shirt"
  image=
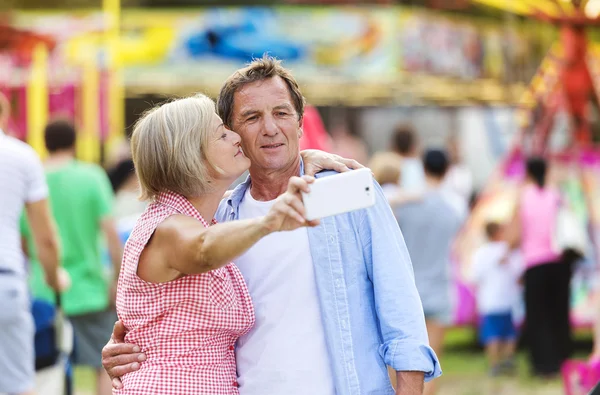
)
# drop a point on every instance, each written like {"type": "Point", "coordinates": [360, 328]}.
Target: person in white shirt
{"type": "Point", "coordinates": [496, 275]}
{"type": "Point", "coordinates": [23, 187]}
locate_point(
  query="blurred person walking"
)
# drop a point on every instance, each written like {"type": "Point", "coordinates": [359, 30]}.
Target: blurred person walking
{"type": "Point", "coordinates": [547, 275]}
{"type": "Point", "coordinates": [496, 277]}
{"type": "Point", "coordinates": [81, 199]}
{"type": "Point", "coordinates": [429, 226]}
{"type": "Point", "coordinates": [23, 187]}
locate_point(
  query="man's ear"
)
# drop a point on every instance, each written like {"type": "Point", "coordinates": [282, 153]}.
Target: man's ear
{"type": "Point", "coordinates": [300, 124]}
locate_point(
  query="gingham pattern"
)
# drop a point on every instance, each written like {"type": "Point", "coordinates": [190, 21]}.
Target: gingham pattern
{"type": "Point", "coordinates": [187, 327]}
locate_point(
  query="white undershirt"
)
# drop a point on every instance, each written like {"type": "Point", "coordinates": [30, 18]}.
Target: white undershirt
{"type": "Point", "coordinates": [285, 352]}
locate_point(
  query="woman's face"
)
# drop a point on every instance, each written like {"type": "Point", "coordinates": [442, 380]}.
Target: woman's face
{"type": "Point", "coordinates": [225, 152]}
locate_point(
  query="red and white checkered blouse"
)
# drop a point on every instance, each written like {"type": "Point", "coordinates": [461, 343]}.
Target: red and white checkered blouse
{"type": "Point", "coordinates": [186, 327]}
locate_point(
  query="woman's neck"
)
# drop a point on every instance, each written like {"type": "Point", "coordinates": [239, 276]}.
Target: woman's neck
{"type": "Point", "coordinates": [207, 203]}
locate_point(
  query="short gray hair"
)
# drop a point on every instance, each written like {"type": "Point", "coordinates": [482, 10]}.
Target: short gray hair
{"type": "Point", "coordinates": [168, 147]}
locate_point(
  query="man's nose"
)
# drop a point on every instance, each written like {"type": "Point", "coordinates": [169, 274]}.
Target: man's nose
{"type": "Point", "coordinates": [270, 127]}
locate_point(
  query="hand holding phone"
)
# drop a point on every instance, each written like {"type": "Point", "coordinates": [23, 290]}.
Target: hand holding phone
{"type": "Point", "coordinates": [339, 193]}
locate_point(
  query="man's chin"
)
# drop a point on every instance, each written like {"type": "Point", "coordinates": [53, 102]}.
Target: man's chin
{"type": "Point", "coordinates": [275, 164]}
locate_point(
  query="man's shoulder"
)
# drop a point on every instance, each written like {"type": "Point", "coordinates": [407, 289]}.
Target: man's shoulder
{"type": "Point", "coordinates": [446, 201]}
{"type": "Point", "coordinates": [223, 210]}
{"type": "Point", "coordinates": [25, 153]}
{"type": "Point", "coordinates": [87, 175]}
{"type": "Point", "coordinates": [85, 172]}
{"type": "Point", "coordinates": [89, 168]}
{"type": "Point", "coordinates": [231, 202]}
{"type": "Point", "coordinates": [414, 207]}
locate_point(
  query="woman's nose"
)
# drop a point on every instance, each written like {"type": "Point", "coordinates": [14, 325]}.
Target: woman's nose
{"type": "Point", "coordinates": [237, 140]}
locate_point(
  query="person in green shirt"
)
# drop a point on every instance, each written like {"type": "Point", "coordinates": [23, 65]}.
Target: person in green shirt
{"type": "Point", "coordinates": [81, 199]}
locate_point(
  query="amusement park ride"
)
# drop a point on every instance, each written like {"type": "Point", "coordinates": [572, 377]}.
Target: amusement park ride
{"type": "Point", "coordinates": [566, 78]}
{"type": "Point", "coordinates": [568, 83]}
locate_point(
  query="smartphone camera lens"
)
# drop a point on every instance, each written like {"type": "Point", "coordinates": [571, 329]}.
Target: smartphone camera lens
{"type": "Point", "coordinates": [367, 189]}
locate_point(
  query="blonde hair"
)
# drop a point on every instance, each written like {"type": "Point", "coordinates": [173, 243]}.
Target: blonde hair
{"type": "Point", "coordinates": [386, 167]}
{"type": "Point", "coordinates": [168, 147]}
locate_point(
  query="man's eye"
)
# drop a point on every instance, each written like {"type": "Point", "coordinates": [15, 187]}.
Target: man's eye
{"type": "Point", "coordinates": [224, 135]}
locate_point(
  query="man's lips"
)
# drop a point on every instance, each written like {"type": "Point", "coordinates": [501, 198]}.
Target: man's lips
{"type": "Point", "coordinates": [276, 145]}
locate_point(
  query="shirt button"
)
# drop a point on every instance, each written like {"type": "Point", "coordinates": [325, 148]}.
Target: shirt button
{"type": "Point", "coordinates": [338, 283]}
{"type": "Point", "coordinates": [235, 383]}
{"type": "Point", "coordinates": [344, 324]}
{"type": "Point", "coordinates": [231, 348]}
{"type": "Point", "coordinates": [331, 239]}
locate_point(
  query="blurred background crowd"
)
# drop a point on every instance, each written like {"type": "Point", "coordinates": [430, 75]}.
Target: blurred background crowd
{"type": "Point", "coordinates": [479, 118]}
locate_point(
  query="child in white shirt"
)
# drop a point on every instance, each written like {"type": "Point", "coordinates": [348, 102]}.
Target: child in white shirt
{"type": "Point", "coordinates": [496, 275]}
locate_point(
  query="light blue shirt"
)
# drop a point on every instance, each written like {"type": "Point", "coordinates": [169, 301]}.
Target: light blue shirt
{"type": "Point", "coordinates": [370, 306]}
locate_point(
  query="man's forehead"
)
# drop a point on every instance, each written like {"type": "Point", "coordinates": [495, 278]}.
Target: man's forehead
{"type": "Point", "coordinates": [262, 95]}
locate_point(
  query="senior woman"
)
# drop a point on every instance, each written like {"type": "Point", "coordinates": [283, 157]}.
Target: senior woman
{"type": "Point", "coordinates": [179, 297]}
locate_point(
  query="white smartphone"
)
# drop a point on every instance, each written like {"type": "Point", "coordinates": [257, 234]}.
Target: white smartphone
{"type": "Point", "coordinates": [339, 193]}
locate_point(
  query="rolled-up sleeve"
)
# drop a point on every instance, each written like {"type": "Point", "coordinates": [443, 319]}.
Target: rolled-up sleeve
{"type": "Point", "coordinates": [402, 323]}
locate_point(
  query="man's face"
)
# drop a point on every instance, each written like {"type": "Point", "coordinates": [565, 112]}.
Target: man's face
{"type": "Point", "coordinates": [264, 116]}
